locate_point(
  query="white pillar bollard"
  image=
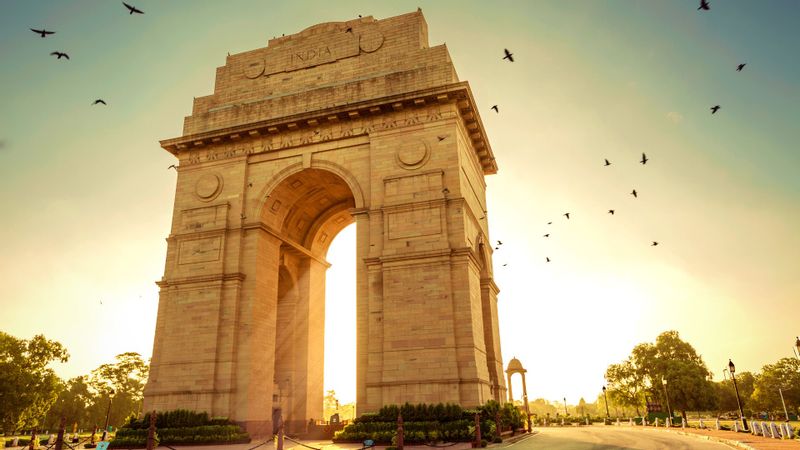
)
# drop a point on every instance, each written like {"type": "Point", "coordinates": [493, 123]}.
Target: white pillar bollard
{"type": "Point", "coordinates": [736, 426]}
{"type": "Point", "coordinates": [717, 425]}
{"type": "Point", "coordinates": [702, 425]}
{"type": "Point", "coordinates": [774, 429]}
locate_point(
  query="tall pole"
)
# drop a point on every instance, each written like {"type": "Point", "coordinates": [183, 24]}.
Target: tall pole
{"type": "Point", "coordinates": [738, 400]}
{"type": "Point", "coordinates": [669, 410]}
{"type": "Point", "coordinates": [565, 407]}
{"type": "Point", "coordinates": [608, 416]}
{"type": "Point", "coordinates": [108, 411]}
{"type": "Point", "coordinates": [785, 411]}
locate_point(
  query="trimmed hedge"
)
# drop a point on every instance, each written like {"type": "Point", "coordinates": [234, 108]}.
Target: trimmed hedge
{"type": "Point", "coordinates": [179, 418]}
{"type": "Point", "coordinates": [424, 423]}
{"type": "Point", "coordinates": [206, 434]}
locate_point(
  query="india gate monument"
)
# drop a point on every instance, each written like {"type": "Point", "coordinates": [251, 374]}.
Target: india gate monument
{"type": "Point", "coordinates": [359, 121]}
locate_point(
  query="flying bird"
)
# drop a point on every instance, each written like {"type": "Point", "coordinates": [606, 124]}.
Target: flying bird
{"type": "Point", "coordinates": [42, 32]}
{"type": "Point", "coordinates": [509, 56]}
{"type": "Point", "coordinates": [100, 100]}
{"type": "Point", "coordinates": [441, 138]}
{"type": "Point", "coordinates": [714, 109]}
{"type": "Point", "coordinates": [547, 259]}
{"type": "Point", "coordinates": [654, 244]}
{"type": "Point", "coordinates": [634, 194]}
{"type": "Point", "coordinates": [496, 109]}
{"type": "Point", "coordinates": [547, 235]}
{"type": "Point", "coordinates": [607, 163]}
{"type": "Point", "coordinates": [60, 55]}
{"type": "Point", "coordinates": [549, 223]}
{"type": "Point", "coordinates": [644, 159]}
{"type": "Point", "coordinates": [704, 5]}
{"type": "Point", "coordinates": [740, 67]}
{"type": "Point", "coordinates": [497, 248]}
{"type": "Point", "coordinates": [499, 242]}
{"type": "Point", "coordinates": [611, 211]}
{"type": "Point", "coordinates": [132, 9]}
{"type": "Point", "coordinates": [173, 166]}
{"type": "Point", "coordinates": [566, 215]}
{"type": "Point", "coordinates": [505, 264]}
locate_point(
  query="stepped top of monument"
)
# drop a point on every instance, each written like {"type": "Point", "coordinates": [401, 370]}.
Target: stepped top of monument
{"type": "Point", "coordinates": [329, 72]}
{"type": "Point", "coordinates": [323, 66]}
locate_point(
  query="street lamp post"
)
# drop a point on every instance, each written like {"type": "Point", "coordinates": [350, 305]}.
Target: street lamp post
{"type": "Point", "coordinates": [108, 414]}
{"type": "Point", "coordinates": [565, 407]}
{"type": "Point", "coordinates": [666, 395]}
{"type": "Point", "coordinates": [608, 416]}
{"type": "Point", "coordinates": [732, 370]}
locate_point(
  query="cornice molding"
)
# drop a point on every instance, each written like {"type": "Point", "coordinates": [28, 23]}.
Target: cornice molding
{"type": "Point", "coordinates": [458, 93]}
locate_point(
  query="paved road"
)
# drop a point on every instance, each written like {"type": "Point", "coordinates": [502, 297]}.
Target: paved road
{"type": "Point", "coordinates": [608, 438]}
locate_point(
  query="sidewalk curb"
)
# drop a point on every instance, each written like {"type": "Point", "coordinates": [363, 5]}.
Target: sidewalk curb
{"type": "Point", "coordinates": [731, 442]}
{"type": "Point", "coordinates": [512, 441]}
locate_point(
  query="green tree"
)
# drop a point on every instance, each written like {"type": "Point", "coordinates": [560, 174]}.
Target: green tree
{"type": "Point", "coordinates": [676, 361]}
{"type": "Point", "coordinates": [726, 394]}
{"type": "Point", "coordinates": [581, 408]}
{"type": "Point", "coordinates": [28, 386]}
{"type": "Point", "coordinates": [120, 384]}
{"type": "Point", "coordinates": [73, 402]}
{"type": "Point", "coordinates": [784, 375]}
{"type": "Point", "coordinates": [626, 385]}
{"type": "Point", "coordinates": [542, 407]}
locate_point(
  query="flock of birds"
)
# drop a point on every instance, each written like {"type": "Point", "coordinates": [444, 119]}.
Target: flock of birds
{"type": "Point", "coordinates": [59, 55]}
{"type": "Point", "coordinates": [704, 6]}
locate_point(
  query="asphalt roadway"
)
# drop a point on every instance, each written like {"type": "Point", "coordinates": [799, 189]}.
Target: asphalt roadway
{"type": "Point", "coordinates": [607, 438]}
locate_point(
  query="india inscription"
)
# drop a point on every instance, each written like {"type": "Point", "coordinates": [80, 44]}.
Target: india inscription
{"type": "Point", "coordinates": [271, 169]}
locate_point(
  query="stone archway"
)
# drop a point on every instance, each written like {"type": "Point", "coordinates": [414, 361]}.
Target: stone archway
{"type": "Point", "coordinates": [318, 130]}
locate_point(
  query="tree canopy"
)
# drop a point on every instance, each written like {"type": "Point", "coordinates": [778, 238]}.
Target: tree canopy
{"type": "Point", "coordinates": [28, 386]}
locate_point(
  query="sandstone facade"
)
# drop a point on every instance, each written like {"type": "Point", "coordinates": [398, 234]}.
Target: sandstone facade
{"type": "Point", "coordinates": [357, 121]}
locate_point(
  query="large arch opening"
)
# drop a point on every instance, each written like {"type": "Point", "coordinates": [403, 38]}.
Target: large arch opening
{"type": "Point", "coordinates": [340, 327]}
{"type": "Point", "coordinates": [305, 211]}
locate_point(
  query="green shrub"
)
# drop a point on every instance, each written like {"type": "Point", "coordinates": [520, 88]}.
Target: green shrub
{"type": "Point", "coordinates": [207, 434]}
{"type": "Point", "coordinates": [497, 440]}
{"type": "Point", "coordinates": [179, 418]}
{"type": "Point", "coordinates": [484, 443]}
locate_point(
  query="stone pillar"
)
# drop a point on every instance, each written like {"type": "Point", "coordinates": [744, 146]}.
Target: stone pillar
{"type": "Point", "coordinates": [510, 391]}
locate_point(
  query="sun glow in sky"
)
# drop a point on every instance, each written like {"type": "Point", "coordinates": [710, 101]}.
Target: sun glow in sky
{"type": "Point", "coordinates": [87, 199]}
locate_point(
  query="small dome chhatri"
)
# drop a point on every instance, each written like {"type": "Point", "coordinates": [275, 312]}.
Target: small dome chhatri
{"type": "Point", "coordinates": [515, 366]}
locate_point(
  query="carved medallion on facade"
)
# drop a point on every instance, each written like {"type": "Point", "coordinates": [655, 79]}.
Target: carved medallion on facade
{"type": "Point", "coordinates": [208, 187]}
{"type": "Point", "coordinates": [413, 154]}
{"type": "Point", "coordinates": [370, 40]}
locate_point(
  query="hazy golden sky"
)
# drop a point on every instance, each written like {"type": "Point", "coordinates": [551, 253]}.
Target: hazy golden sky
{"type": "Point", "coordinates": [86, 196]}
